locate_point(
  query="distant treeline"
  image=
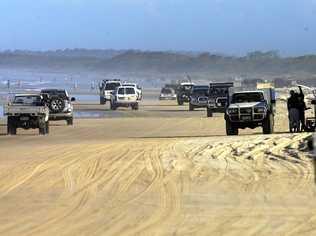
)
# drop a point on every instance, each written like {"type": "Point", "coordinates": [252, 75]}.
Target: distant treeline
{"type": "Point", "coordinates": [253, 64]}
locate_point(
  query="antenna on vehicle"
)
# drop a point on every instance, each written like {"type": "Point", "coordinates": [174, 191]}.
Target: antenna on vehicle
{"type": "Point", "coordinates": [189, 77]}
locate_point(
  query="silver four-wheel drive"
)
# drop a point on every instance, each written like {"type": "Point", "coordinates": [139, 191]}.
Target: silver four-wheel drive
{"type": "Point", "coordinates": [124, 97]}
{"type": "Point", "coordinates": [251, 109]}
{"type": "Point", "coordinates": [60, 105]}
{"type": "Point", "coordinates": [27, 111]}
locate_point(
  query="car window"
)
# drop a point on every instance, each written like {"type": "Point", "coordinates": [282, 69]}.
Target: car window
{"type": "Point", "coordinates": [121, 91]}
{"type": "Point", "coordinates": [28, 100]}
{"type": "Point", "coordinates": [166, 91]}
{"type": "Point", "coordinates": [247, 97]}
{"type": "Point", "coordinates": [112, 86]}
{"type": "Point", "coordinates": [130, 91]}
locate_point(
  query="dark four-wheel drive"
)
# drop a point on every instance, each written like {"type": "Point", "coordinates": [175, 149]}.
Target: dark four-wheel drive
{"type": "Point", "coordinates": [184, 92]}
{"type": "Point", "coordinates": [218, 96]}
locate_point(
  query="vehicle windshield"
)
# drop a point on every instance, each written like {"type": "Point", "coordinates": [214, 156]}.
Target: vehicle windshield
{"type": "Point", "coordinates": [28, 100]}
{"type": "Point", "coordinates": [200, 91]}
{"type": "Point", "coordinates": [247, 97]}
{"type": "Point", "coordinates": [218, 92]}
{"type": "Point", "coordinates": [166, 91]}
{"type": "Point", "coordinates": [112, 86]}
{"type": "Point", "coordinates": [130, 91]}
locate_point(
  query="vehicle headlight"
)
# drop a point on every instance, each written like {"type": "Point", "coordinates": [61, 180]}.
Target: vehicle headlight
{"type": "Point", "coordinates": [232, 111]}
{"type": "Point", "coordinates": [259, 110]}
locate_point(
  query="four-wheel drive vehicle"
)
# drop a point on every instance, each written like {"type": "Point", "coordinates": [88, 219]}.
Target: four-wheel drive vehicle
{"type": "Point", "coordinates": [27, 111]}
{"type": "Point", "coordinates": [251, 109]}
{"type": "Point", "coordinates": [60, 105]}
{"type": "Point", "coordinates": [218, 96]}
{"type": "Point", "coordinates": [107, 87]}
{"type": "Point", "coordinates": [124, 97]}
{"type": "Point", "coordinates": [198, 97]}
{"type": "Point", "coordinates": [137, 88]}
{"type": "Point", "coordinates": [167, 94]}
{"type": "Point", "coordinates": [183, 92]}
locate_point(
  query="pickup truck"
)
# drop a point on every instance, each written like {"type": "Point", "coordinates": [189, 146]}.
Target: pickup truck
{"type": "Point", "coordinates": [27, 111]}
{"type": "Point", "coordinates": [251, 109]}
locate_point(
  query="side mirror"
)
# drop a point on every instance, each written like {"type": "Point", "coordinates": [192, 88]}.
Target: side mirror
{"type": "Point", "coordinates": [73, 99]}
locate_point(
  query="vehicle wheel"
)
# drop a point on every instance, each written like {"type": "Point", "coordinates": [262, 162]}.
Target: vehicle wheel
{"type": "Point", "coordinates": [268, 124]}
{"type": "Point", "coordinates": [230, 130]}
{"type": "Point", "coordinates": [56, 105]}
{"type": "Point", "coordinates": [102, 101]}
{"type": "Point", "coordinates": [70, 121]}
{"type": "Point", "coordinates": [135, 107]}
{"type": "Point", "coordinates": [11, 126]}
{"type": "Point", "coordinates": [209, 112]}
{"type": "Point", "coordinates": [191, 107]}
{"type": "Point", "coordinates": [180, 102]}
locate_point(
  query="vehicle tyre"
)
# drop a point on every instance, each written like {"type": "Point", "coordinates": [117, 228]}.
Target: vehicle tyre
{"type": "Point", "coordinates": [268, 124]}
{"type": "Point", "coordinates": [70, 121]}
{"type": "Point", "coordinates": [209, 112]}
{"type": "Point", "coordinates": [11, 126]}
{"type": "Point", "coordinates": [135, 106]}
{"type": "Point", "coordinates": [56, 105]}
{"type": "Point", "coordinates": [180, 102]}
{"type": "Point", "coordinates": [102, 101]}
{"type": "Point", "coordinates": [230, 130]}
{"type": "Point", "coordinates": [191, 107]}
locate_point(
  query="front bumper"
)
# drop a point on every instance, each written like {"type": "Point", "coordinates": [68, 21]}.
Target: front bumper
{"type": "Point", "coordinates": [197, 104]}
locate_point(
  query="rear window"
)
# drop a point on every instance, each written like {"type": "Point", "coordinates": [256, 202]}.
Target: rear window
{"type": "Point", "coordinates": [28, 100]}
{"type": "Point", "coordinates": [121, 91]}
{"type": "Point", "coordinates": [130, 91]}
{"type": "Point", "coordinates": [112, 86]}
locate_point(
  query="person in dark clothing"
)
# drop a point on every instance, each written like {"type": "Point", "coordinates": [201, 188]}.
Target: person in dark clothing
{"type": "Point", "coordinates": [301, 106]}
{"type": "Point", "coordinates": [293, 111]}
{"type": "Point", "coordinates": [292, 101]}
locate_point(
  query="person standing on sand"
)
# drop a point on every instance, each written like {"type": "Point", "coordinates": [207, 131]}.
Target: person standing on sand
{"type": "Point", "coordinates": [301, 107]}
{"type": "Point", "coordinates": [293, 111]}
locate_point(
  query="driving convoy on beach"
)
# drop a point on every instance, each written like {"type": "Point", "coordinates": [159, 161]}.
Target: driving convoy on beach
{"type": "Point", "coordinates": [146, 155]}
{"type": "Point", "coordinates": [241, 108]}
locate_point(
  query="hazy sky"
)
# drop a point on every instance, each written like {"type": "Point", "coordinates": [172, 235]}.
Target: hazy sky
{"type": "Point", "coordinates": [225, 26]}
